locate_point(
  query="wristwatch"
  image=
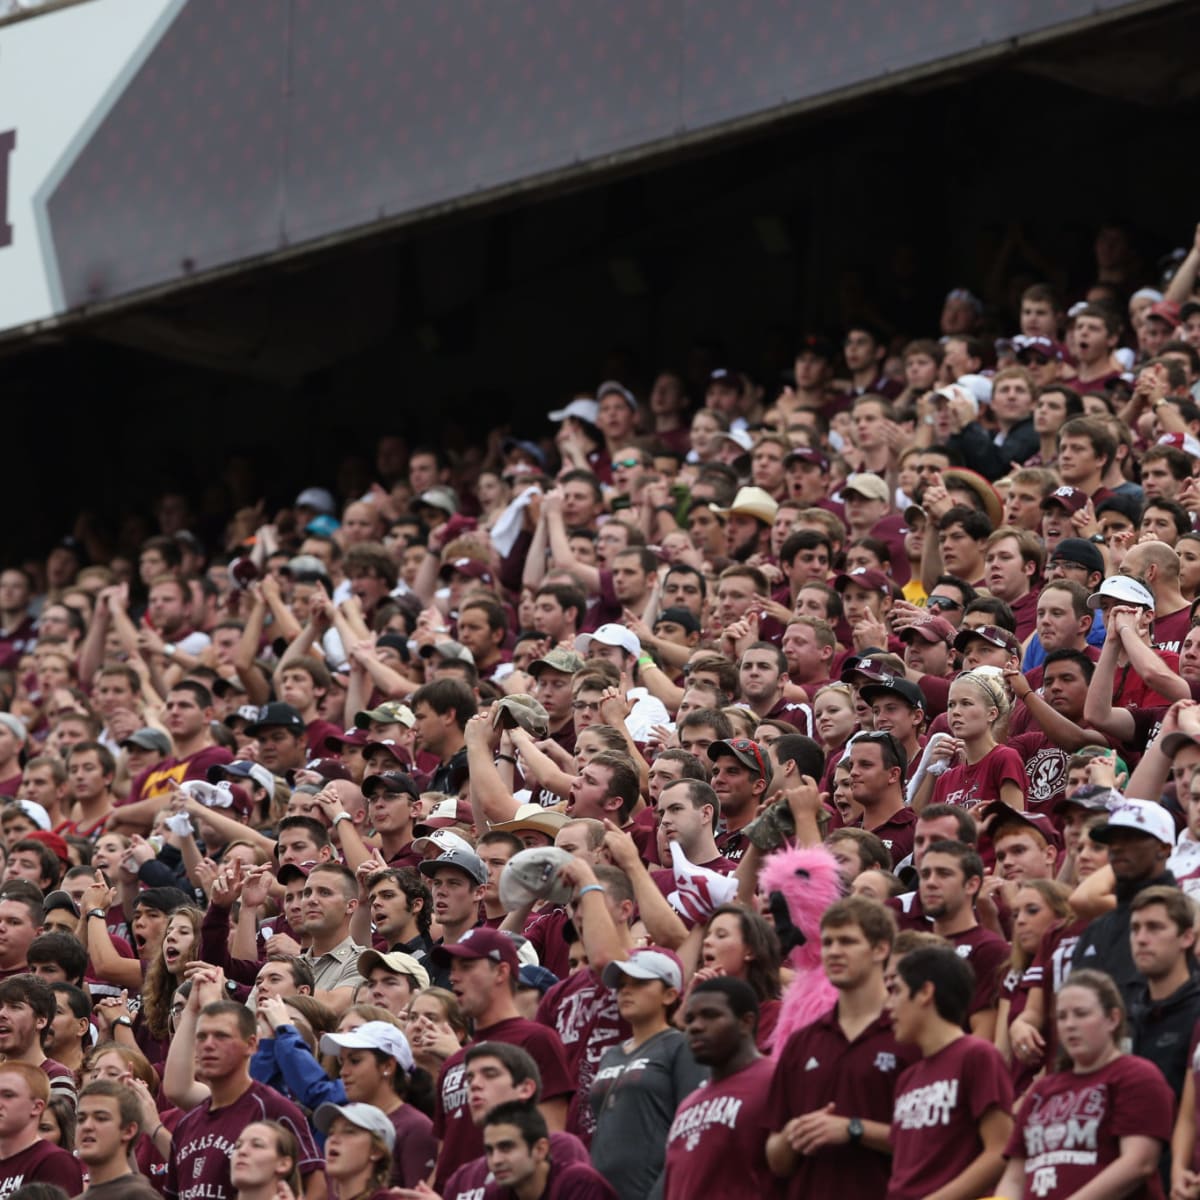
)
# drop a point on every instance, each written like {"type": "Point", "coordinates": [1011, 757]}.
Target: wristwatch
{"type": "Point", "coordinates": [124, 1021]}
{"type": "Point", "coordinates": [97, 912]}
{"type": "Point", "coordinates": [342, 816]}
{"type": "Point", "coordinates": [169, 649]}
{"type": "Point", "coordinates": [855, 1131]}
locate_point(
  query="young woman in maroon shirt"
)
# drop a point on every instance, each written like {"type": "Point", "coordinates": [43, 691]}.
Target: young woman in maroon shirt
{"type": "Point", "coordinates": [1097, 1127]}
{"type": "Point", "coordinates": [978, 769]}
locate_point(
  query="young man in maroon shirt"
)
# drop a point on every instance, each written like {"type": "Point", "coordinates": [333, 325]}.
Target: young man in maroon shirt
{"type": "Point", "coordinates": [687, 810]}
{"type": "Point", "coordinates": [739, 778]}
{"type": "Point", "coordinates": [498, 1073]}
{"type": "Point", "coordinates": [1158, 565]}
{"type": "Point", "coordinates": [579, 1008]}
{"type": "Point", "coordinates": [188, 718]}
{"type": "Point", "coordinates": [878, 766]}
{"type": "Point", "coordinates": [24, 1155]}
{"type": "Point", "coordinates": [830, 1103]}
{"type": "Point", "coordinates": [27, 1009]}
{"type": "Point", "coordinates": [715, 1143]}
{"type": "Point", "coordinates": [219, 1039]}
{"type": "Point", "coordinates": [951, 876]}
{"type": "Point", "coordinates": [1012, 563]}
{"type": "Point", "coordinates": [483, 968]}
{"type": "Point", "coordinates": [952, 1114]}
{"type": "Point", "coordinates": [516, 1142]}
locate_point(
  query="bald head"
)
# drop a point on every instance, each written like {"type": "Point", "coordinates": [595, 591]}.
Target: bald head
{"type": "Point", "coordinates": [1153, 561]}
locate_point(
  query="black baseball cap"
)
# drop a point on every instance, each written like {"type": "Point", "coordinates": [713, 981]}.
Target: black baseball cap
{"type": "Point", "coordinates": [680, 616]}
{"type": "Point", "coordinates": [894, 686]}
{"type": "Point", "coordinates": [276, 714]}
{"type": "Point", "coordinates": [391, 781]}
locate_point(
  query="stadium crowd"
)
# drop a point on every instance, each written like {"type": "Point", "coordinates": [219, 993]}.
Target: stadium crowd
{"type": "Point", "coordinates": [412, 841]}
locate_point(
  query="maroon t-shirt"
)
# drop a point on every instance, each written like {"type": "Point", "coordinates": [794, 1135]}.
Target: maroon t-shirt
{"type": "Point", "coordinates": [316, 732]}
{"type": "Point", "coordinates": [1070, 1126]}
{"type": "Point", "coordinates": [43, 1162]}
{"type": "Point", "coordinates": [203, 1143]}
{"type": "Point", "coordinates": [468, 1182]}
{"type": "Point", "coordinates": [987, 954]}
{"type": "Point", "coordinates": [971, 784]}
{"type": "Point", "coordinates": [891, 530]}
{"type": "Point", "coordinates": [11, 786]}
{"type": "Point", "coordinates": [1045, 769]}
{"type": "Point", "coordinates": [732, 845]}
{"type": "Point", "coordinates": [583, 1012]}
{"type": "Point", "coordinates": [1024, 612]}
{"type": "Point", "coordinates": [664, 880]}
{"type": "Point", "coordinates": [607, 610]}
{"type": "Point", "coordinates": [716, 1146]}
{"type": "Point", "coordinates": [799, 715]}
{"type": "Point", "coordinates": [461, 1139]}
{"type": "Point", "coordinates": [544, 929]}
{"type": "Point", "coordinates": [416, 1147]}
{"type": "Point", "coordinates": [908, 911]}
{"type": "Point", "coordinates": [818, 1066]}
{"type": "Point", "coordinates": [1054, 960]}
{"type": "Point", "coordinates": [1130, 690]}
{"type": "Point", "coordinates": [1015, 988]}
{"type": "Point", "coordinates": [572, 1181]}
{"type": "Point", "coordinates": [939, 1104]}
{"type": "Point", "coordinates": [896, 833]}
{"type": "Point", "coordinates": [154, 781]}
{"type": "Point", "coordinates": [406, 856]}
{"type": "Point", "coordinates": [1169, 631]}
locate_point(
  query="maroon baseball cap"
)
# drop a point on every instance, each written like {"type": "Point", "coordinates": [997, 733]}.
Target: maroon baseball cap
{"type": "Point", "coordinates": [1007, 815]}
{"type": "Point", "coordinates": [1166, 311]}
{"type": "Point", "coordinates": [472, 568]}
{"type": "Point", "coordinates": [1070, 498]}
{"type": "Point", "coordinates": [292, 871]}
{"type": "Point", "coordinates": [337, 742]}
{"type": "Point", "coordinates": [864, 577]}
{"type": "Point", "coordinates": [806, 454]}
{"type": "Point", "coordinates": [937, 629]}
{"type": "Point", "coordinates": [398, 752]}
{"type": "Point", "coordinates": [449, 812]}
{"type": "Point", "coordinates": [53, 842]}
{"type": "Point", "coordinates": [990, 633]}
{"type": "Point", "coordinates": [327, 768]}
{"type": "Point", "coordinates": [480, 942]}
{"type": "Point", "coordinates": [1048, 348]}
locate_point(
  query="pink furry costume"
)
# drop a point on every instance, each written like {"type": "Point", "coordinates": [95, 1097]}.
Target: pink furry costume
{"type": "Point", "coordinates": [800, 885]}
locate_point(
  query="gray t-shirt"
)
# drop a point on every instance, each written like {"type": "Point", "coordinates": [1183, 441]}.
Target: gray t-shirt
{"type": "Point", "coordinates": [634, 1096]}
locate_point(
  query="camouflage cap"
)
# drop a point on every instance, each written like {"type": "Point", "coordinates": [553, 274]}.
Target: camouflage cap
{"type": "Point", "coordinates": [566, 661]}
{"type": "Point", "coordinates": [523, 710]}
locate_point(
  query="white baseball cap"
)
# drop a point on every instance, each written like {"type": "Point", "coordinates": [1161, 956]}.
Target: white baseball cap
{"type": "Point", "coordinates": [582, 408]}
{"type": "Point", "coordinates": [372, 1035]}
{"type": "Point", "coordinates": [365, 1116]}
{"type": "Point", "coordinates": [1125, 589]}
{"type": "Point", "coordinates": [648, 962]}
{"type": "Point", "coordinates": [611, 635]}
{"type": "Point", "coordinates": [1142, 816]}
{"type": "Point", "coordinates": [443, 840]}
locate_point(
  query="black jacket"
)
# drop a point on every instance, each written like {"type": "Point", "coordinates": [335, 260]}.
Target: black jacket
{"type": "Point", "coordinates": [1162, 1030]}
{"type": "Point", "coordinates": [1104, 944]}
{"type": "Point", "coordinates": [981, 454]}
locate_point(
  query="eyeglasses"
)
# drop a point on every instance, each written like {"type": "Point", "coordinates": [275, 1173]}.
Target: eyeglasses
{"type": "Point", "coordinates": [627, 462]}
{"type": "Point", "coordinates": [585, 706]}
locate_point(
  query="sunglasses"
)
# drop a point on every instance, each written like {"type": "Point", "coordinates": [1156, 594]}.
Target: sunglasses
{"type": "Point", "coordinates": [942, 602]}
{"type": "Point", "coordinates": [628, 463]}
{"type": "Point", "coordinates": [746, 746]}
